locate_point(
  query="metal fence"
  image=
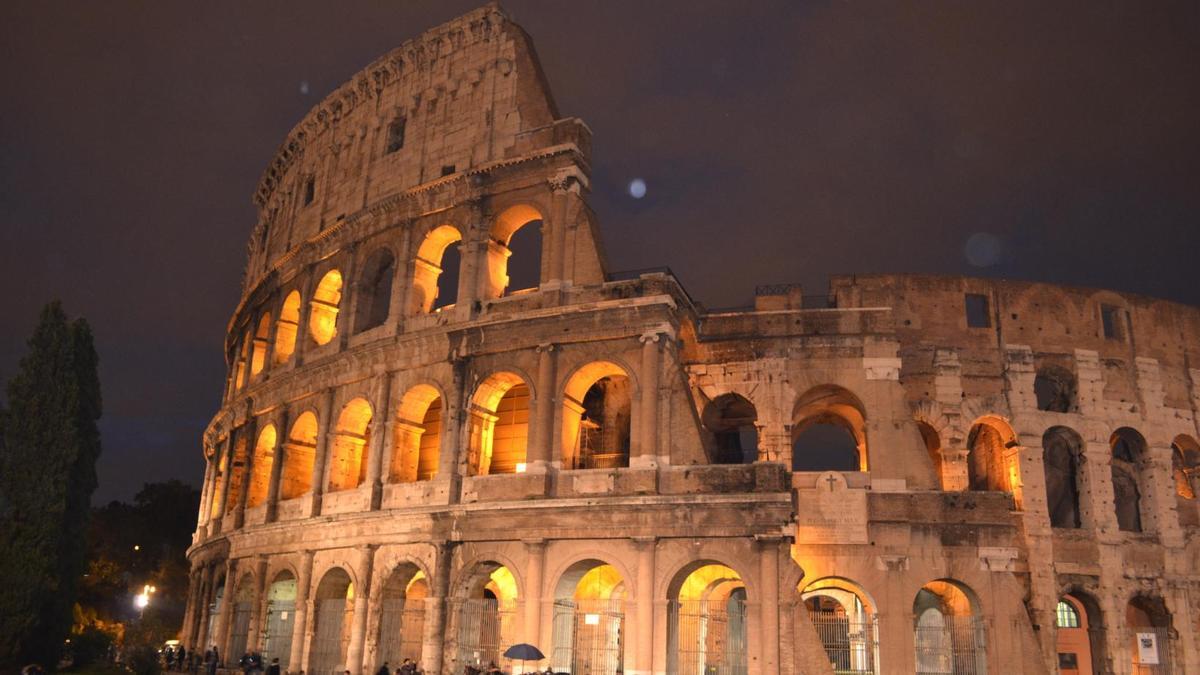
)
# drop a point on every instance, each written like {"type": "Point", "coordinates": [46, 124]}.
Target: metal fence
{"type": "Point", "coordinates": [401, 624]}
{"type": "Point", "coordinates": [589, 637]}
{"type": "Point", "coordinates": [851, 641]}
{"type": "Point", "coordinates": [277, 640]}
{"type": "Point", "coordinates": [1157, 650]}
{"type": "Point", "coordinates": [706, 637]}
{"type": "Point", "coordinates": [483, 626]}
{"type": "Point", "coordinates": [956, 647]}
{"type": "Point", "coordinates": [239, 632]}
{"type": "Point", "coordinates": [328, 645]}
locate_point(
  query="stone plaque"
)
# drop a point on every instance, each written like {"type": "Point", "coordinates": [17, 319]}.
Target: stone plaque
{"type": "Point", "coordinates": [831, 513]}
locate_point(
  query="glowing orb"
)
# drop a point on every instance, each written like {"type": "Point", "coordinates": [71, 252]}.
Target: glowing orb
{"type": "Point", "coordinates": [637, 188]}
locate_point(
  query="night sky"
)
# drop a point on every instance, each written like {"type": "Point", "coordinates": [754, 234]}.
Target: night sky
{"type": "Point", "coordinates": [779, 142]}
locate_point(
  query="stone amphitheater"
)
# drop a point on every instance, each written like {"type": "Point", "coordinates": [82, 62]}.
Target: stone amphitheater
{"type": "Point", "coordinates": [421, 456]}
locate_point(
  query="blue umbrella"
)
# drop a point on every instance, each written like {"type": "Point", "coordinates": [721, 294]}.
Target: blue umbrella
{"type": "Point", "coordinates": [523, 652]}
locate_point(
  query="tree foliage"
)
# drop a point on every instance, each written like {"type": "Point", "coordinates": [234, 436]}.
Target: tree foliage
{"type": "Point", "coordinates": [49, 444]}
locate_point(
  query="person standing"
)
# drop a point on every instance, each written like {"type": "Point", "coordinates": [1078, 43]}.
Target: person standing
{"type": "Point", "coordinates": [273, 669]}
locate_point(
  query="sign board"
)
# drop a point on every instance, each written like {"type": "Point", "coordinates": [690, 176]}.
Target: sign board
{"type": "Point", "coordinates": [831, 512]}
{"type": "Point", "coordinates": [1147, 647]}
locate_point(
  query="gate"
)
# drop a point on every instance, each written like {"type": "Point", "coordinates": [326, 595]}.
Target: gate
{"type": "Point", "coordinates": [956, 647]}
{"type": "Point", "coordinates": [851, 641]}
{"type": "Point", "coordinates": [1159, 645]}
{"type": "Point", "coordinates": [706, 637]}
{"type": "Point", "coordinates": [277, 642]}
{"type": "Point", "coordinates": [589, 637]}
{"type": "Point", "coordinates": [239, 631]}
{"type": "Point", "coordinates": [328, 648]}
{"type": "Point", "coordinates": [482, 625]}
{"type": "Point", "coordinates": [401, 623]}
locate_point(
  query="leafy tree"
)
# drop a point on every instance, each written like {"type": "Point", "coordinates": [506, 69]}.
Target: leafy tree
{"type": "Point", "coordinates": [49, 444]}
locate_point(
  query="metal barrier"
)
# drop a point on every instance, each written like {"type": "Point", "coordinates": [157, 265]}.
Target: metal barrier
{"type": "Point", "coordinates": [956, 647]}
{"type": "Point", "coordinates": [706, 637]}
{"type": "Point", "coordinates": [1151, 644]}
{"type": "Point", "coordinates": [277, 642]}
{"type": "Point", "coordinates": [401, 624]}
{"type": "Point", "coordinates": [483, 626]}
{"type": "Point", "coordinates": [328, 652]}
{"type": "Point", "coordinates": [851, 642]}
{"type": "Point", "coordinates": [589, 637]}
{"type": "Point", "coordinates": [239, 631]}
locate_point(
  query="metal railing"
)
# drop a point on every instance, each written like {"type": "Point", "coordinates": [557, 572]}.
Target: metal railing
{"type": "Point", "coordinates": [239, 632]}
{"type": "Point", "coordinates": [851, 641]}
{"type": "Point", "coordinates": [706, 637]}
{"type": "Point", "coordinates": [401, 623]}
{"type": "Point", "coordinates": [589, 637]}
{"type": "Point", "coordinates": [277, 641]}
{"type": "Point", "coordinates": [328, 652]}
{"type": "Point", "coordinates": [956, 647]}
{"type": "Point", "coordinates": [484, 627]}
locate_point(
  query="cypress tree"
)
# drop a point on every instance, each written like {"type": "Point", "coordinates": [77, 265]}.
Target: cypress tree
{"type": "Point", "coordinates": [49, 444]}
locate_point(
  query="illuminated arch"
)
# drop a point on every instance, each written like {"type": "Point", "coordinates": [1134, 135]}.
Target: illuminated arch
{"type": "Point", "coordinates": [829, 431]}
{"type": "Point", "coordinates": [486, 613]}
{"type": "Point", "coordinates": [703, 594]}
{"type": "Point", "coordinates": [264, 459]}
{"type": "Point", "coordinates": [731, 420]}
{"type": "Point", "coordinates": [596, 413]}
{"type": "Point", "coordinates": [948, 629]}
{"type": "Point", "coordinates": [589, 618]}
{"type": "Point", "coordinates": [844, 616]}
{"type": "Point", "coordinates": [334, 610]}
{"type": "Point", "coordinates": [416, 442]}
{"type": "Point", "coordinates": [402, 614]}
{"type": "Point", "coordinates": [299, 457]}
{"type": "Point", "coordinates": [506, 225]}
{"type": "Point", "coordinates": [499, 425]}
{"type": "Point", "coordinates": [991, 455]}
{"type": "Point", "coordinates": [1185, 466]}
{"type": "Point", "coordinates": [323, 311]}
{"type": "Point", "coordinates": [280, 618]}
{"type": "Point", "coordinates": [289, 325]}
{"type": "Point", "coordinates": [351, 443]}
{"type": "Point", "coordinates": [262, 340]}
{"type": "Point", "coordinates": [430, 263]}
{"type": "Point", "coordinates": [374, 292]}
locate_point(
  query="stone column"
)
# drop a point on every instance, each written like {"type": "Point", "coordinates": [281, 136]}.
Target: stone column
{"type": "Point", "coordinates": [557, 248]}
{"type": "Point", "coordinates": [402, 281]}
{"type": "Point", "coordinates": [300, 625]}
{"type": "Point", "coordinates": [647, 451]}
{"type": "Point", "coordinates": [223, 490]}
{"type": "Point", "coordinates": [452, 433]}
{"type": "Point", "coordinates": [280, 452]}
{"type": "Point", "coordinates": [206, 494]}
{"type": "Point", "coordinates": [222, 629]}
{"type": "Point", "coordinates": [189, 612]}
{"type": "Point", "coordinates": [1160, 509]}
{"type": "Point", "coordinates": [250, 432]}
{"type": "Point", "coordinates": [206, 591]}
{"type": "Point", "coordinates": [380, 439]}
{"type": "Point", "coordinates": [768, 565]}
{"type": "Point", "coordinates": [436, 609]}
{"type": "Point", "coordinates": [259, 605]}
{"type": "Point", "coordinates": [322, 452]}
{"type": "Point", "coordinates": [643, 627]}
{"type": "Point", "coordinates": [541, 446]}
{"type": "Point", "coordinates": [358, 624]}
{"type": "Point", "coordinates": [473, 251]}
{"type": "Point", "coordinates": [536, 552]}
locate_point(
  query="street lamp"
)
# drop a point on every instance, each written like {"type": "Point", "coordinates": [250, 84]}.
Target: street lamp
{"type": "Point", "coordinates": [142, 600]}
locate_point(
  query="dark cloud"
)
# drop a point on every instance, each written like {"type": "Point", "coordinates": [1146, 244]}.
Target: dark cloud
{"type": "Point", "coordinates": [779, 141]}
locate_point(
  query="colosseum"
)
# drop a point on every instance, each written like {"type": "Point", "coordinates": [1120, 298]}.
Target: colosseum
{"type": "Point", "coordinates": [421, 456]}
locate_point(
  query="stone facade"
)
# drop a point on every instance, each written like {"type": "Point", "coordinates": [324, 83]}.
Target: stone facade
{"type": "Point", "coordinates": [1003, 477]}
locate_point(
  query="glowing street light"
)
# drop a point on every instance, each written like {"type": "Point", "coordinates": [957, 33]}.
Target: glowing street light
{"type": "Point", "coordinates": [142, 600]}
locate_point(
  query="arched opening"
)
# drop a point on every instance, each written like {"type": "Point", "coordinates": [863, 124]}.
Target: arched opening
{"type": "Point", "coordinates": [375, 291]}
{"type": "Point", "coordinates": [933, 445]}
{"type": "Point", "coordinates": [844, 618]}
{"type": "Point", "coordinates": [597, 404]}
{"type": "Point", "coordinates": [222, 460]}
{"type": "Point", "coordinates": [289, 326]}
{"type": "Point", "coordinates": [323, 311]}
{"type": "Point", "coordinates": [1185, 470]}
{"type": "Point", "coordinates": [949, 632]}
{"type": "Point", "coordinates": [706, 621]}
{"type": "Point", "coordinates": [436, 271]}
{"type": "Point", "coordinates": [1149, 625]}
{"type": "Point", "coordinates": [264, 459]}
{"type": "Point", "coordinates": [402, 615]}
{"type": "Point", "coordinates": [417, 436]}
{"type": "Point", "coordinates": [243, 361]}
{"type": "Point", "coordinates": [1073, 640]}
{"type": "Point", "coordinates": [829, 431]}
{"type": "Point", "coordinates": [348, 457]}
{"type": "Point", "coordinates": [1055, 390]}
{"type": "Point", "coordinates": [1128, 449]}
{"type": "Point", "coordinates": [333, 609]}
{"type": "Point", "coordinates": [589, 620]}
{"type": "Point", "coordinates": [239, 621]}
{"type": "Point", "coordinates": [502, 244]}
{"type": "Point", "coordinates": [991, 456]}
{"type": "Point", "coordinates": [237, 470]}
{"type": "Point", "coordinates": [1062, 450]}
{"type": "Point", "coordinates": [214, 609]}
{"type": "Point", "coordinates": [281, 616]}
{"type": "Point", "coordinates": [731, 420]}
{"type": "Point", "coordinates": [301, 452]}
{"type": "Point", "coordinates": [262, 339]}
{"type": "Point", "coordinates": [486, 615]}
{"type": "Point", "coordinates": [499, 426]}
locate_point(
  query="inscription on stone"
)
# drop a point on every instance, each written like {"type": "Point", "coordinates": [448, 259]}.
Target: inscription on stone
{"type": "Point", "coordinates": [831, 513]}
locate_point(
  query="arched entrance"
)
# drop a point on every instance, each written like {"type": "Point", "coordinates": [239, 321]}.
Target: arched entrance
{"type": "Point", "coordinates": [281, 617]}
{"type": "Point", "coordinates": [402, 615]}
{"type": "Point", "coordinates": [948, 631]}
{"type": "Point", "coordinates": [844, 618]}
{"type": "Point", "coordinates": [486, 616]}
{"type": "Point", "coordinates": [589, 620]}
{"type": "Point", "coordinates": [706, 621]}
{"type": "Point", "coordinates": [1073, 641]}
{"type": "Point", "coordinates": [1149, 625]}
{"type": "Point", "coordinates": [239, 628]}
{"type": "Point", "coordinates": [331, 629]}
{"type": "Point", "coordinates": [596, 414]}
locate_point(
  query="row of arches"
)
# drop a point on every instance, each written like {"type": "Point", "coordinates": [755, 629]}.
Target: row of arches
{"type": "Point", "coordinates": [435, 283]}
